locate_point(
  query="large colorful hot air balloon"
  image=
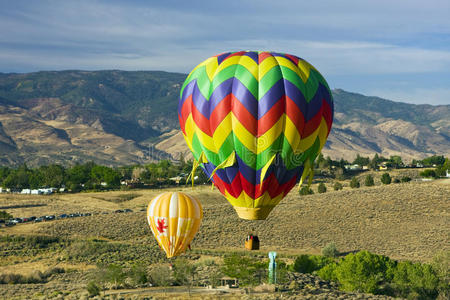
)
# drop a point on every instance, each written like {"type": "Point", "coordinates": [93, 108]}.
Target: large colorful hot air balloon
{"type": "Point", "coordinates": [255, 122]}
{"type": "Point", "coordinates": [174, 219]}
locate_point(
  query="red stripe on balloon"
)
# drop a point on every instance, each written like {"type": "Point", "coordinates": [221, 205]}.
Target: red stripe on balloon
{"type": "Point", "coordinates": [312, 124]}
{"type": "Point", "coordinates": [295, 114]}
{"type": "Point", "coordinates": [267, 121]}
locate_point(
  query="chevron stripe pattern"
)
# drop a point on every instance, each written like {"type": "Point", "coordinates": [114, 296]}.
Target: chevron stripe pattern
{"type": "Point", "coordinates": [272, 111]}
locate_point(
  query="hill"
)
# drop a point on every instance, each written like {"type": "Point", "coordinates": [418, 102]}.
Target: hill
{"type": "Point", "coordinates": [118, 117]}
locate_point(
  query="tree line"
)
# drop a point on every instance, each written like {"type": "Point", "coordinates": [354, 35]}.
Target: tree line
{"type": "Point", "coordinates": [91, 176]}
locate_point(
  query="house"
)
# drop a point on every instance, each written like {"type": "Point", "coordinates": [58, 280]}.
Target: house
{"type": "Point", "coordinates": [354, 167]}
{"type": "Point", "coordinates": [229, 282]}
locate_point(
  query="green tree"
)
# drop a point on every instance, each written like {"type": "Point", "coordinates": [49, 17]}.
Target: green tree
{"type": "Point", "coordinates": [321, 188]}
{"type": "Point", "coordinates": [184, 272]}
{"type": "Point", "coordinates": [362, 161]}
{"type": "Point", "coordinates": [368, 181]}
{"type": "Point", "coordinates": [354, 183]}
{"type": "Point", "coordinates": [337, 186]}
{"type": "Point", "coordinates": [363, 272]}
{"type": "Point", "coordinates": [160, 275]}
{"type": "Point", "coordinates": [415, 280]}
{"type": "Point", "coordinates": [386, 178]}
{"type": "Point", "coordinates": [93, 289]}
{"type": "Point", "coordinates": [395, 161]}
{"type": "Point", "coordinates": [112, 274]}
{"type": "Point", "coordinates": [428, 173]}
{"type": "Point", "coordinates": [4, 215]}
{"type": "Point", "coordinates": [247, 270]}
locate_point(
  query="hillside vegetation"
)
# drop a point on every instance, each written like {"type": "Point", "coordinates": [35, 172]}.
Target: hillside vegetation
{"type": "Point", "coordinates": [118, 117]}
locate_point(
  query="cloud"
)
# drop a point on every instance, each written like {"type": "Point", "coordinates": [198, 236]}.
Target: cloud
{"type": "Point", "coordinates": [434, 96]}
{"type": "Point", "coordinates": [365, 39]}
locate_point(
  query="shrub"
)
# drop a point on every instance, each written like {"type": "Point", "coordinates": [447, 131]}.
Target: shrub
{"type": "Point", "coordinates": [428, 173]}
{"type": "Point", "coordinates": [248, 271]}
{"type": "Point", "coordinates": [415, 280]}
{"type": "Point", "coordinates": [4, 215]}
{"type": "Point", "coordinates": [386, 178]}
{"type": "Point", "coordinates": [160, 275]}
{"type": "Point", "coordinates": [112, 274]}
{"type": "Point", "coordinates": [306, 191]}
{"type": "Point", "coordinates": [328, 272]}
{"type": "Point", "coordinates": [138, 275]}
{"type": "Point", "coordinates": [310, 263]}
{"type": "Point", "coordinates": [363, 272]}
{"type": "Point", "coordinates": [93, 289]}
{"type": "Point", "coordinates": [321, 188]}
{"type": "Point", "coordinates": [441, 265]}
{"type": "Point", "coordinates": [330, 250]}
{"type": "Point", "coordinates": [405, 179]}
{"type": "Point", "coordinates": [368, 181]}
{"type": "Point", "coordinates": [337, 186]}
{"type": "Point", "coordinates": [396, 180]}
{"type": "Point", "coordinates": [354, 183]}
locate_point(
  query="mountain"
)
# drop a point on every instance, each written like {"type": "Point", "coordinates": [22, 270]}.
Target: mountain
{"type": "Point", "coordinates": [118, 117]}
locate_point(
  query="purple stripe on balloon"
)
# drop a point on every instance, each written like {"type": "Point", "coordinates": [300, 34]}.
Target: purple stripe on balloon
{"type": "Point", "coordinates": [315, 104]}
{"type": "Point", "coordinates": [253, 55]}
{"type": "Point", "coordinates": [279, 89]}
{"type": "Point", "coordinates": [240, 91]}
{"type": "Point", "coordinates": [222, 57]}
{"type": "Point", "coordinates": [188, 89]}
{"type": "Point", "coordinates": [296, 96]}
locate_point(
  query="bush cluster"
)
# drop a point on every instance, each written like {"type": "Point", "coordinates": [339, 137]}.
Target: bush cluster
{"type": "Point", "coordinates": [34, 277]}
{"type": "Point", "coordinates": [371, 273]}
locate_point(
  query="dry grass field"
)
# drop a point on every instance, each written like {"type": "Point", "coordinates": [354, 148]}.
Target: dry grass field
{"type": "Point", "coordinates": [406, 221]}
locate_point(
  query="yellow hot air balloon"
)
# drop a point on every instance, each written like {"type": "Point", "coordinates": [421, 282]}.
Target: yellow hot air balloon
{"type": "Point", "coordinates": [174, 219]}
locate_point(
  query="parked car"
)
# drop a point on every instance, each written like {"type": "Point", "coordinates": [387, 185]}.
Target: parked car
{"type": "Point", "coordinates": [127, 210]}
{"type": "Point", "coordinates": [40, 219]}
{"type": "Point", "coordinates": [63, 216]}
{"type": "Point", "coordinates": [49, 218]}
{"type": "Point", "coordinates": [119, 211]}
{"type": "Point", "coordinates": [32, 218]}
{"type": "Point", "coordinates": [9, 224]}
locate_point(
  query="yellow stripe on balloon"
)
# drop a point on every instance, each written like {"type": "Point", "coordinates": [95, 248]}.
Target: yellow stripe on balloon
{"type": "Point", "coordinates": [211, 67]}
{"type": "Point", "coordinates": [307, 142]}
{"type": "Point", "coordinates": [270, 136]}
{"type": "Point", "coordinates": [323, 133]}
{"type": "Point", "coordinates": [288, 64]}
{"type": "Point", "coordinates": [245, 61]}
{"type": "Point", "coordinates": [305, 70]}
{"type": "Point", "coordinates": [204, 63]}
{"type": "Point", "coordinates": [178, 216]}
{"type": "Point", "coordinates": [266, 65]}
{"type": "Point", "coordinates": [291, 133]}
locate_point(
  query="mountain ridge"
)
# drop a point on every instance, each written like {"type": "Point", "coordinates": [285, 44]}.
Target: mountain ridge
{"type": "Point", "coordinates": [130, 117]}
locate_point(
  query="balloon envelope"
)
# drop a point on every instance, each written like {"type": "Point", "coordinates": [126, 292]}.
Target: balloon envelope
{"type": "Point", "coordinates": [174, 219]}
{"type": "Point", "coordinates": [255, 121]}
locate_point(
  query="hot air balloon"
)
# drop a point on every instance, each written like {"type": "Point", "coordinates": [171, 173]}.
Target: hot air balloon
{"type": "Point", "coordinates": [255, 122]}
{"type": "Point", "coordinates": [174, 219]}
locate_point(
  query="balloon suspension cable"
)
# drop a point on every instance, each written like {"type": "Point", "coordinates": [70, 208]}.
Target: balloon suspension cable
{"type": "Point", "coordinates": [308, 171]}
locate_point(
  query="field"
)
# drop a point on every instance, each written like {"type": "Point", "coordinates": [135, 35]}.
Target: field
{"type": "Point", "coordinates": [405, 221]}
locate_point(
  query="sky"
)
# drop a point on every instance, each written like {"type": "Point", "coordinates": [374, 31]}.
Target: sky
{"type": "Point", "coordinates": [396, 49]}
